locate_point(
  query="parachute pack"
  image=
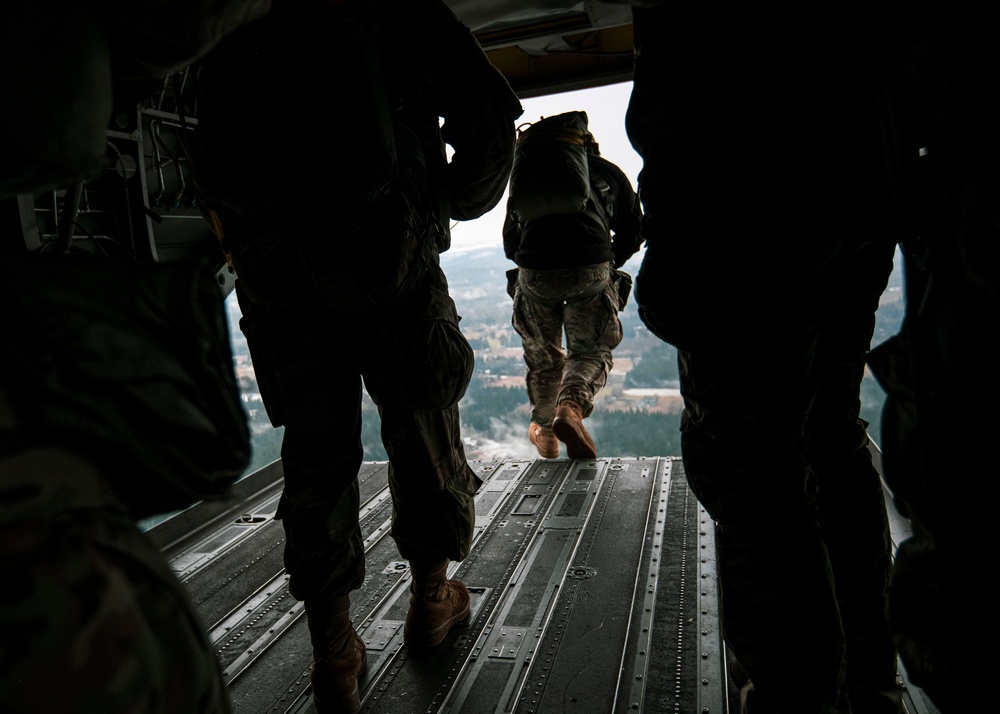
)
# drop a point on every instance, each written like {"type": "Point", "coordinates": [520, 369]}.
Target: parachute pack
{"type": "Point", "coordinates": [550, 173]}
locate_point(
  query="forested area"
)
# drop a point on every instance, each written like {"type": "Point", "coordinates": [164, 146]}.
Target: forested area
{"type": "Point", "coordinates": [636, 433]}
{"type": "Point", "coordinates": [489, 411]}
{"type": "Point", "coordinates": [656, 369]}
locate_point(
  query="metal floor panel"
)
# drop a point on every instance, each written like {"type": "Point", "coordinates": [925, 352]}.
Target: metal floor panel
{"type": "Point", "coordinates": [593, 589]}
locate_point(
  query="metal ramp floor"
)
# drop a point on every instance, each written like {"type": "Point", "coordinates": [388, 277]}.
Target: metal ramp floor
{"type": "Point", "coordinates": [593, 589]}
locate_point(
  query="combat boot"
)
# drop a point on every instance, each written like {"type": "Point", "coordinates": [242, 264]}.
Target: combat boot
{"type": "Point", "coordinates": [545, 441]}
{"type": "Point", "coordinates": [340, 659]}
{"type": "Point", "coordinates": [436, 604]}
{"type": "Point", "coordinates": [568, 427]}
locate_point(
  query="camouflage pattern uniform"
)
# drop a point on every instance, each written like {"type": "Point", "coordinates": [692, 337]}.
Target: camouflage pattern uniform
{"type": "Point", "coordinates": [93, 619]}
{"type": "Point", "coordinates": [107, 417]}
{"type": "Point", "coordinates": [584, 302]}
{"type": "Point", "coordinates": [310, 375]}
{"type": "Point", "coordinates": [939, 425]}
{"type": "Point", "coordinates": [767, 281]}
{"type": "Point", "coordinates": [117, 393]}
{"type": "Point", "coordinates": [338, 293]}
{"type": "Point", "coordinates": [567, 280]}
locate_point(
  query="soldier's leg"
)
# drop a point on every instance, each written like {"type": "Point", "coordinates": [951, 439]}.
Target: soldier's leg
{"type": "Point", "coordinates": [936, 374]}
{"type": "Point", "coordinates": [432, 483]}
{"type": "Point", "coordinates": [434, 514]}
{"type": "Point", "coordinates": [540, 325]}
{"type": "Point", "coordinates": [312, 388]}
{"type": "Point", "coordinates": [741, 429]}
{"type": "Point", "coordinates": [593, 331]}
{"type": "Point", "coordinates": [433, 487]}
{"type": "Point", "coordinates": [315, 393]}
{"type": "Point", "coordinates": [310, 385]}
{"type": "Point", "coordinates": [850, 495]}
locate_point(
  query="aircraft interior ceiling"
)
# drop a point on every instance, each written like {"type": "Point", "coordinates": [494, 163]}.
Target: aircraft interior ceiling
{"type": "Point", "coordinates": [551, 46]}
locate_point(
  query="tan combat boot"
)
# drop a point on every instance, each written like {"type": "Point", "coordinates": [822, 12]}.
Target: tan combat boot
{"type": "Point", "coordinates": [436, 604]}
{"type": "Point", "coordinates": [545, 441]}
{"type": "Point", "coordinates": [568, 426]}
{"type": "Point", "coordinates": [340, 658]}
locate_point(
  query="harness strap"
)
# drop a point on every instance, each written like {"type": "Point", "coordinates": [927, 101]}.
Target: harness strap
{"type": "Point", "coordinates": [605, 206]}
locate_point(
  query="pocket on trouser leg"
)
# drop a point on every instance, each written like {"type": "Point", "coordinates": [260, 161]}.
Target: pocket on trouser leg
{"type": "Point", "coordinates": [512, 278]}
{"type": "Point", "coordinates": [439, 521]}
{"type": "Point", "coordinates": [658, 292]}
{"type": "Point", "coordinates": [612, 335]}
{"type": "Point", "coordinates": [622, 283]}
{"type": "Point", "coordinates": [463, 489]}
{"type": "Point", "coordinates": [524, 320]}
{"type": "Point", "coordinates": [437, 360]}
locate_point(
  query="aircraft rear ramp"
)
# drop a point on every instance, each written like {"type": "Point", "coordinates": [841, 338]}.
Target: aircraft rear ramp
{"type": "Point", "coordinates": [593, 589]}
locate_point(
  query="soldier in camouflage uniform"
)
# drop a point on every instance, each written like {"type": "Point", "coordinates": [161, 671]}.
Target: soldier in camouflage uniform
{"type": "Point", "coordinates": [567, 279]}
{"type": "Point", "coordinates": [118, 399]}
{"type": "Point", "coordinates": [336, 293]}
{"type": "Point", "coordinates": [939, 437]}
{"type": "Point", "coordinates": [770, 236]}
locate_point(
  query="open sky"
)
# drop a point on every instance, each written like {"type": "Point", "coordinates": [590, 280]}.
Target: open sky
{"type": "Point", "coordinates": [605, 107]}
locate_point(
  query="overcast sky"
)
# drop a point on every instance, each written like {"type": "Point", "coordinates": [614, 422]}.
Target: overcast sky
{"type": "Point", "coordinates": [605, 107]}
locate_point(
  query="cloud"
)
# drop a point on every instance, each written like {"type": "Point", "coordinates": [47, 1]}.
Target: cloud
{"type": "Point", "coordinates": [506, 441]}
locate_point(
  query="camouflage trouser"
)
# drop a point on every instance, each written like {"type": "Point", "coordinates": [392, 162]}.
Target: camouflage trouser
{"type": "Point", "coordinates": [774, 449]}
{"type": "Point", "coordinates": [940, 460]}
{"type": "Point", "coordinates": [582, 301]}
{"type": "Point", "coordinates": [92, 617]}
{"type": "Point", "coordinates": [310, 362]}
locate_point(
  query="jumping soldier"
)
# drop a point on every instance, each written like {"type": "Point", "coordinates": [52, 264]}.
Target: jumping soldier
{"type": "Point", "coordinates": [567, 280]}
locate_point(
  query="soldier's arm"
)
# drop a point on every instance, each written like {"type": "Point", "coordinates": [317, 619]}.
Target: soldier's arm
{"type": "Point", "coordinates": [626, 222]}
{"type": "Point", "coordinates": [511, 234]}
{"type": "Point", "coordinates": [479, 110]}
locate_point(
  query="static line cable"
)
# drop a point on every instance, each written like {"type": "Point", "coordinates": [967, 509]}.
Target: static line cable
{"type": "Point", "coordinates": [128, 212]}
{"type": "Point", "coordinates": [156, 200]}
{"type": "Point", "coordinates": [67, 219]}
